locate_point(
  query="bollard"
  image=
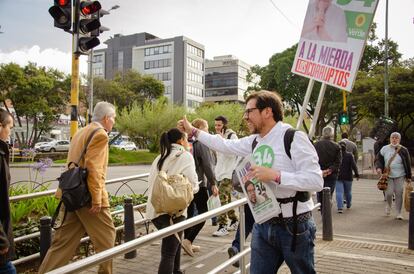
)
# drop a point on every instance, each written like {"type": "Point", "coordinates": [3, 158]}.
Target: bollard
{"type": "Point", "coordinates": [326, 208]}
{"type": "Point", "coordinates": [411, 223]}
{"type": "Point", "coordinates": [129, 226]}
{"type": "Point", "coordinates": [45, 235]}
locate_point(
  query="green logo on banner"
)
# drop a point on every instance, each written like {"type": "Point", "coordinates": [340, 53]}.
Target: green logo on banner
{"type": "Point", "coordinates": [264, 156]}
{"type": "Point", "coordinates": [358, 24]}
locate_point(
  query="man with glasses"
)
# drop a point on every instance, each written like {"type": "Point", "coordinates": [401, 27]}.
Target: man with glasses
{"type": "Point", "coordinates": [274, 241]}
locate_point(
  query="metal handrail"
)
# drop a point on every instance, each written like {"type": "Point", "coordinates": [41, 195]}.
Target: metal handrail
{"type": "Point", "coordinates": [83, 240]}
{"type": "Point", "coordinates": [136, 243]}
{"type": "Point", "coordinates": [37, 234]}
{"type": "Point", "coordinates": [52, 191]}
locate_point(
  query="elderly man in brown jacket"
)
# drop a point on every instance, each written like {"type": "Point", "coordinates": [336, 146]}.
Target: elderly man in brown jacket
{"type": "Point", "coordinates": [96, 219]}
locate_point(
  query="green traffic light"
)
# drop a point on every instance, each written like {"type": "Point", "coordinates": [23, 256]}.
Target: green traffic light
{"type": "Point", "coordinates": [343, 119]}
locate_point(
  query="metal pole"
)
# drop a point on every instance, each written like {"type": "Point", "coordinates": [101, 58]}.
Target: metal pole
{"type": "Point", "coordinates": [411, 223]}
{"type": "Point", "coordinates": [386, 107]}
{"type": "Point", "coordinates": [326, 208]}
{"type": "Point", "coordinates": [317, 110]}
{"type": "Point", "coordinates": [45, 235]}
{"type": "Point", "coordinates": [90, 72]}
{"type": "Point", "coordinates": [129, 226]}
{"type": "Point", "coordinates": [242, 226]}
{"type": "Point", "coordinates": [305, 103]}
{"type": "Point", "coordinates": [74, 92]}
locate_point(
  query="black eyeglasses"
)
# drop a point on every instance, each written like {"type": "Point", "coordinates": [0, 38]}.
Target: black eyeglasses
{"type": "Point", "coordinates": [248, 110]}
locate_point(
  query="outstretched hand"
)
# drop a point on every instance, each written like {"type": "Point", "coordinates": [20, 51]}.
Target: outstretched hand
{"type": "Point", "coordinates": [184, 125]}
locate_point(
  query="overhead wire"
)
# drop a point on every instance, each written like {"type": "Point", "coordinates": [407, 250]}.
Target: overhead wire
{"type": "Point", "coordinates": [282, 13]}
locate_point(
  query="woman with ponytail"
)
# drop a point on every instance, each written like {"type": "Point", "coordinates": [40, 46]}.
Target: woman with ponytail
{"type": "Point", "coordinates": [174, 159]}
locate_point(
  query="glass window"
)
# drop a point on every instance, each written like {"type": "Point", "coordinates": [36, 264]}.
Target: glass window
{"type": "Point", "coordinates": [120, 60]}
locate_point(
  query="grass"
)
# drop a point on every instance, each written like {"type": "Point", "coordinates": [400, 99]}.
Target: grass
{"type": "Point", "coordinates": [117, 156]}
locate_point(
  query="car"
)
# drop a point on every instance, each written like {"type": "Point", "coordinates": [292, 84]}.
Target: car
{"type": "Point", "coordinates": [39, 144]}
{"type": "Point", "coordinates": [126, 145]}
{"type": "Point", "coordinates": [62, 145]}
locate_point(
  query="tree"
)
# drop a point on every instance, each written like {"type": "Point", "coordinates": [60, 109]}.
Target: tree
{"type": "Point", "coordinates": [37, 95]}
{"type": "Point", "coordinates": [232, 111]}
{"type": "Point", "coordinates": [149, 120]}
{"type": "Point", "coordinates": [127, 88]}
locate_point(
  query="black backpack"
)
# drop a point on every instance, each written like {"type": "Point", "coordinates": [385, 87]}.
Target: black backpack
{"type": "Point", "coordinates": [74, 185]}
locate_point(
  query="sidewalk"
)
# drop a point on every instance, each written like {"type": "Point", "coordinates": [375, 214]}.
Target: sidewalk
{"type": "Point", "coordinates": [338, 256]}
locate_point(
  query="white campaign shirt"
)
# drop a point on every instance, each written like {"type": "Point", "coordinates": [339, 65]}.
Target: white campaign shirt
{"type": "Point", "coordinates": [226, 163]}
{"type": "Point", "coordinates": [302, 173]}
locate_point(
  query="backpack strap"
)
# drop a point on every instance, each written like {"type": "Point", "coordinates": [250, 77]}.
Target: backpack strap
{"type": "Point", "coordinates": [254, 144]}
{"type": "Point", "coordinates": [288, 139]}
{"type": "Point", "coordinates": [229, 136]}
{"type": "Point", "coordinates": [86, 145]}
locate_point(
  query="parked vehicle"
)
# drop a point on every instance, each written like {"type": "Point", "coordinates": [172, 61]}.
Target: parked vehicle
{"type": "Point", "coordinates": [126, 145]}
{"type": "Point", "coordinates": [62, 145]}
{"type": "Point", "coordinates": [39, 144]}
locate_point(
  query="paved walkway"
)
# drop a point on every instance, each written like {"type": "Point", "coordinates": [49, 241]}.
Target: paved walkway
{"type": "Point", "coordinates": [342, 255]}
{"type": "Point", "coordinates": [365, 241]}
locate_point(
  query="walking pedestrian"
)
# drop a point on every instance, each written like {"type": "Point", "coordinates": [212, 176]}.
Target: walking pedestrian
{"type": "Point", "coordinates": [224, 170]}
{"type": "Point", "coordinates": [351, 147]}
{"type": "Point", "coordinates": [174, 159]}
{"type": "Point", "coordinates": [95, 219]}
{"type": "Point", "coordinates": [272, 241]}
{"type": "Point", "coordinates": [397, 158]}
{"type": "Point", "coordinates": [204, 169]}
{"type": "Point", "coordinates": [7, 252]}
{"type": "Point", "coordinates": [330, 158]}
{"type": "Point", "coordinates": [345, 178]}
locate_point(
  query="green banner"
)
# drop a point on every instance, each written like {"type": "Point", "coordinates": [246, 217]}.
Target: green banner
{"type": "Point", "coordinates": [358, 24]}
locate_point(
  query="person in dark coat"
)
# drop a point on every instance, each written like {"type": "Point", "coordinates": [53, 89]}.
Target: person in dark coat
{"type": "Point", "coordinates": [344, 182]}
{"type": "Point", "coordinates": [7, 252]}
{"type": "Point", "coordinates": [330, 158]}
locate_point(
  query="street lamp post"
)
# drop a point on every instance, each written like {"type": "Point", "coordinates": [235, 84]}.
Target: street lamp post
{"type": "Point", "coordinates": [386, 107]}
{"type": "Point", "coordinates": [90, 73]}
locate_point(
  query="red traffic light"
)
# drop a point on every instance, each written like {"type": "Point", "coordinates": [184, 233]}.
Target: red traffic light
{"type": "Point", "coordinates": [62, 2]}
{"type": "Point", "coordinates": [88, 8]}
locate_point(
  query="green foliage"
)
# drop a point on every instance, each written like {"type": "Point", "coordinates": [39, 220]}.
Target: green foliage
{"type": "Point", "coordinates": [23, 211]}
{"type": "Point", "coordinates": [130, 157]}
{"type": "Point", "coordinates": [38, 94]}
{"type": "Point", "coordinates": [137, 199]}
{"type": "Point", "coordinates": [149, 120]}
{"type": "Point", "coordinates": [232, 111]}
{"type": "Point", "coordinates": [127, 88]}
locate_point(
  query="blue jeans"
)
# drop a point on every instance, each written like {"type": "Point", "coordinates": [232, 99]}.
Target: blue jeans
{"type": "Point", "coordinates": [248, 226]}
{"type": "Point", "coordinates": [272, 243]}
{"type": "Point", "coordinates": [343, 187]}
{"type": "Point", "coordinates": [7, 268]}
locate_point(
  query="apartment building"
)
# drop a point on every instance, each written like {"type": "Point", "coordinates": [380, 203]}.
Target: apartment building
{"type": "Point", "coordinates": [225, 79]}
{"type": "Point", "coordinates": [178, 62]}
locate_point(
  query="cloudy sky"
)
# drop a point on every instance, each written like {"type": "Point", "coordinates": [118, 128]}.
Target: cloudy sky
{"type": "Point", "coordinates": [252, 30]}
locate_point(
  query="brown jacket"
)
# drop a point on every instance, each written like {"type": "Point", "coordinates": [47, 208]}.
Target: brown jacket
{"type": "Point", "coordinates": [95, 160]}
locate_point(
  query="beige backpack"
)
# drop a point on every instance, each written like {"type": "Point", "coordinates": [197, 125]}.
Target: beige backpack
{"type": "Point", "coordinates": [171, 194]}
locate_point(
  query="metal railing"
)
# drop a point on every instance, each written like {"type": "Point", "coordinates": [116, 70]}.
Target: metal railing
{"type": "Point", "coordinates": [134, 244]}
{"type": "Point", "coordinates": [123, 180]}
{"type": "Point", "coordinates": [147, 239]}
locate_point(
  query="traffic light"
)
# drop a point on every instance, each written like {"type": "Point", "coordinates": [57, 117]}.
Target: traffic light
{"type": "Point", "coordinates": [61, 11]}
{"type": "Point", "coordinates": [343, 118]}
{"type": "Point", "coordinates": [87, 26]}
{"type": "Point", "coordinates": [353, 114]}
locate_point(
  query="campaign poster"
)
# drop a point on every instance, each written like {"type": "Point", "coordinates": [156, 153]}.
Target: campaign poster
{"type": "Point", "coordinates": [332, 41]}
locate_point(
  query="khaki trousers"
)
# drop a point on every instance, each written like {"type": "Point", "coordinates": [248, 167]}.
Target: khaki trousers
{"type": "Point", "coordinates": [100, 229]}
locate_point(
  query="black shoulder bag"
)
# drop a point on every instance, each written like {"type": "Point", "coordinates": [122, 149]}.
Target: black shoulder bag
{"type": "Point", "coordinates": [74, 186]}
